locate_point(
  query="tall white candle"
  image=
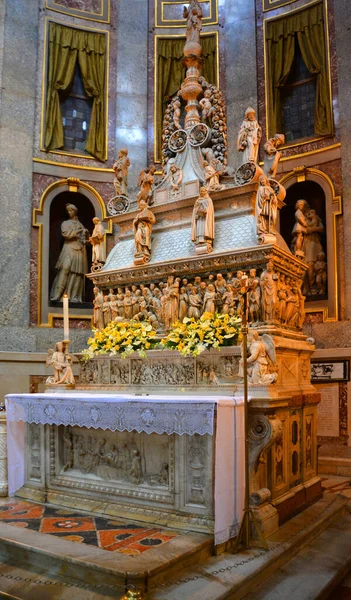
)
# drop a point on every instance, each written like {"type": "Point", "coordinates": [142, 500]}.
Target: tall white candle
{"type": "Point", "coordinates": [65, 318]}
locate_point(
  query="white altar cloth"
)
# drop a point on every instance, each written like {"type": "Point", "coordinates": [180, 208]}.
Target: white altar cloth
{"type": "Point", "coordinates": [150, 414]}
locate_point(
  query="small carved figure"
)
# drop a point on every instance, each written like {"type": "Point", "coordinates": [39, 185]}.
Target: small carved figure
{"type": "Point", "coordinates": [212, 176]}
{"type": "Point", "coordinates": [195, 303]}
{"type": "Point", "coordinates": [97, 240]}
{"type": "Point", "coordinates": [163, 474]}
{"type": "Point", "coordinates": [202, 226]}
{"type": "Point", "coordinates": [206, 105]}
{"type": "Point", "coordinates": [145, 182]}
{"type": "Point", "coordinates": [262, 359]}
{"type": "Point", "coordinates": [176, 178]}
{"type": "Point", "coordinates": [183, 304]}
{"type": "Point", "coordinates": [120, 168]}
{"type": "Point", "coordinates": [106, 311]}
{"type": "Point", "coordinates": [266, 207]}
{"type": "Point", "coordinates": [212, 377]}
{"type": "Point", "coordinates": [61, 362]}
{"type": "Point", "coordinates": [135, 472]}
{"type": "Point", "coordinates": [72, 263]}
{"type": "Point", "coordinates": [300, 229]}
{"type": "Point", "coordinates": [320, 270]}
{"type": "Point", "coordinates": [98, 307]}
{"type": "Point", "coordinates": [170, 302]}
{"type": "Point", "coordinates": [193, 14]}
{"type": "Point", "coordinates": [68, 442]}
{"type": "Point", "coordinates": [228, 301]}
{"type": "Point", "coordinates": [128, 302]}
{"type": "Point", "coordinates": [249, 137]}
{"type": "Point", "coordinates": [142, 226]}
{"type": "Point", "coordinates": [209, 302]}
{"type": "Point", "coordinates": [254, 301]}
{"type": "Point", "coordinates": [268, 286]}
{"type": "Point", "coordinates": [292, 308]}
{"type": "Point", "coordinates": [177, 114]}
{"type": "Point", "coordinates": [272, 155]}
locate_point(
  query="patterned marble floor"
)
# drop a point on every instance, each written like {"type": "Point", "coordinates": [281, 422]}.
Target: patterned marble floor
{"type": "Point", "coordinates": [113, 535]}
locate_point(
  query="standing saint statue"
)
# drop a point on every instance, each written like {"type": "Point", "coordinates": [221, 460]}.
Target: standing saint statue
{"type": "Point", "coordinates": [97, 240]}
{"type": "Point", "coordinates": [272, 155]}
{"type": "Point", "coordinates": [202, 224]}
{"type": "Point", "coordinates": [72, 263]}
{"type": "Point", "coordinates": [266, 207]}
{"type": "Point", "coordinates": [120, 167]}
{"type": "Point", "coordinates": [249, 137]}
{"type": "Point", "coordinates": [145, 182]}
{"type": "Point", "coordinates": [193, 15]}
{"type": "Point", "coordinates": [142, 226]}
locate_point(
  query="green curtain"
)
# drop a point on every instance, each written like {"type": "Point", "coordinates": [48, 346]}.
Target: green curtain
{"type": "Point", "coordinates": [65, 45]}
{"type": "Point", "coordinates": [308, 27]}
{"type": "Point", "coordinates": [171, 73]}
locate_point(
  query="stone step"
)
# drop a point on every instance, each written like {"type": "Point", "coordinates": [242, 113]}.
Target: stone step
{"type": "Point", "coordinates": [235, 576]}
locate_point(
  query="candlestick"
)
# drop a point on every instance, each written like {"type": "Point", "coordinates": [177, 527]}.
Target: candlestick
{"type": "Point", "coordinates": [65, 318]}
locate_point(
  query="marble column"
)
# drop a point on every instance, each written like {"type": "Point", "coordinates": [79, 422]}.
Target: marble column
{"type": "Point", "coordinates": [18, 68]}
{"type": "Point", "coordinates": [342, 38]}
{"type": "Point", "coordinates": [131, 103]}
{"type": "Point", "coordinates": [240, 65]}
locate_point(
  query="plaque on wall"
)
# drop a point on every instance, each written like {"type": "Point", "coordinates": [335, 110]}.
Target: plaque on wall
{"type": "Point", "coordinates": [328, 420]}
{"type": "Point", "coordinates": [170, 13]}
{"type": "Point", "coordinates": [329, 371]}
{"type": "Point", "coordinates": [93, 10]}
{"type": "Point", "coordinates": [271, 4]}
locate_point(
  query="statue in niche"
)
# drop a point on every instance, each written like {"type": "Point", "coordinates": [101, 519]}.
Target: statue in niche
{"type": "Point", "coordinates": [320, 272]}
{"type": "Point", "coordinates": [261, 360]}
{"type": "Point", "coordinates": [72, 263]}
{"type": "Point", "coordinates": [98, 309]}
{"type": "Point", "coordinates": [170, 302]}
{"type": "Point", "coordinates": [97, 240]}
{"type": "Point", "coordinates": [300, 229]}
{"type": "Point", "coordinates": [266, 208]}
{"type": "Point", "coordinates": [120, 168]}
{"type": "Point", "coordinates": [135, 472]}
{"type": "Point", "coordinates": [61, 362]}
{"type": "Point", "coordinates": [142, 226]}
{"type": "Point", "coordinates": [145, 182]}
{"type": "Point", "coordinates": [68, 443]}
{"type": "Point", "coordinates": [212, 175]}
{"type": "Point", "coordinates": [312, 247]}
{"type": "Point", "coordinates": [193, 15]}
{"type": "Point", "coordinates": [209, 302]}
{"type": "Point", "coordinates": [249, 137]}
{"type": "Point", "coordinates": [202, 225]}
{"type": "Point", "coordinates": [206, 105]}
{"type": "Point", "coordinates": [272, 155]}
{"type": "Point", "coordinates": [268, 285]}
{"type": "Point", "coordinates": [176, 178]}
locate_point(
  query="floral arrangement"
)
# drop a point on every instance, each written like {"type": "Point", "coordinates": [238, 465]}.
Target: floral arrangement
{"type": "Point", "coordinates": [193, 336]}
{"type": "Point", "coordinates": [122, 338]}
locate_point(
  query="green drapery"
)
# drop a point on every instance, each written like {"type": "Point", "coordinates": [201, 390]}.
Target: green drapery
{"type": "Point", "coordinates": [65, 46]}
{"type": "Point", "coordinates": [307, 26]}
{"type": "Point", "coordinates": [171, 73]}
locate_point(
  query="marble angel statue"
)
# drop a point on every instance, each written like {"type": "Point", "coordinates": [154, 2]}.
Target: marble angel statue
{"type": "Point", "coordinates": [61, 362]}
{"type": "Point", "coordinates": [261, 359]}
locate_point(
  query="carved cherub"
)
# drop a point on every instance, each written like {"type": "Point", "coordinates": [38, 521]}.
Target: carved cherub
{"type": "Point", "coordinates": [206, 105]}
{"type": "Point", "coordinates": [177, 114]}
{"type": "Point", "coordinates": [262, 359]}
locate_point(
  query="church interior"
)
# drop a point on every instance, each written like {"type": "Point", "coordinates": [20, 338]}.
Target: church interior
{"type": "Point", "coordinates": [175, 276]}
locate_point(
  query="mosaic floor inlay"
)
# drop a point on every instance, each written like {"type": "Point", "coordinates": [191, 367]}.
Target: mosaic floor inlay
{"type": "Point", "coordinates": [113, 535]}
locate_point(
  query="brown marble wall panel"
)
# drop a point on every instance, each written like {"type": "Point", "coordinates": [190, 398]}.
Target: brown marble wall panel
{"type": "Point", "coordinates": [261, 16]}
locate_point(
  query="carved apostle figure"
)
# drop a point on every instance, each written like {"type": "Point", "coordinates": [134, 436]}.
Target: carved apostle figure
{"type": "Point", "coordinates": [170, 302]}
{"type": "Point", "coordinates": [120, 168]}
{"type": "Point", "coordinates": [72, 263]}
{"type": "Point", "coordinates": [266, 207]}
{"type": "Point", "coordinates": [300, 228]}
{"type": "Point", "coordinates": [272, 155]}
{"type": "Point", "coordinates": [249, 137]}
{"type": "Point", "coordinates": [98, 308]}
{"type": "Point", "coordinates": [145, 182]}
{"type": "Point", "coordinates": [193, 15]}
{"type": "Point", "coordinates": [142, 226]}
{"type": "Point", "coordinates": [268, 284]}
{"type": "Point", "coordinates": [262, 358]}
{"type": "Point", "coordinates": [202, 225]}
{"type": "Point", "coordinates": [97, 240]}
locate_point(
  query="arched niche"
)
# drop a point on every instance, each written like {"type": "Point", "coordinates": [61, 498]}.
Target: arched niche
{"type": "Point", "coordinates": [317, 189]}
{"type": "Point", "coordinates": [48, 218]}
